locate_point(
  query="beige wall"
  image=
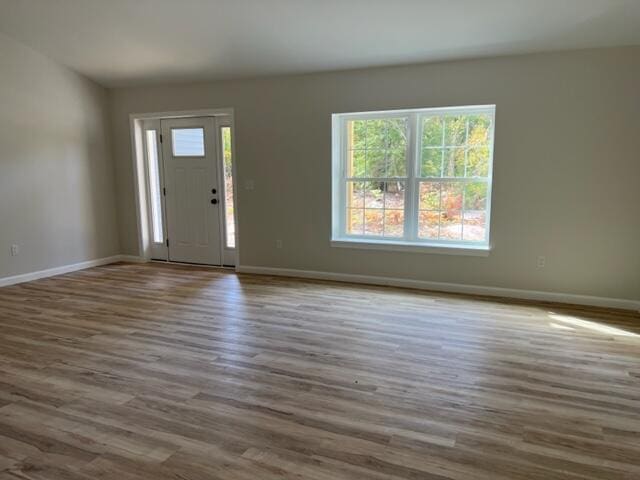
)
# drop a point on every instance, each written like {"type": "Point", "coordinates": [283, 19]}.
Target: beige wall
{"type": "Point", "coordinates": [57, 189]}
{"type": "Point", "coordinates": [566, 169]}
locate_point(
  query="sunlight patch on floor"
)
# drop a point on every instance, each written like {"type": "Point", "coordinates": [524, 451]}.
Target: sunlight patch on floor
{"type": "Point", "coordinates": [561, 327]}
{"type": "Point", "coordinates": [587, 324]}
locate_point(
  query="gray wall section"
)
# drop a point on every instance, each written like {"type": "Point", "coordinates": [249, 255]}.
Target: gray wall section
{"type": "Point", "coordinates": [566, 166]}
{"type": "Point", "coordinates": [57, 187]}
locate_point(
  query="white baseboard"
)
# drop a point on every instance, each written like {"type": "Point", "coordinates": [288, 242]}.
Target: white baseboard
{"type": "Point", "coordinates": [50, 272]}
{"type": "Point", "coordinates": [537, 295]}
{"type": "Point", "coordinates": [568, 298]}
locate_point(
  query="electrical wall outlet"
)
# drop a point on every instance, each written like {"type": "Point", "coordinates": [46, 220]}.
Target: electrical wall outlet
{"type": "Point", "coordinates": [15, 249]}
{"type": "Point", "coordinates": [278, 243]}
{"type": "Point", "coordinates": [542, 261]}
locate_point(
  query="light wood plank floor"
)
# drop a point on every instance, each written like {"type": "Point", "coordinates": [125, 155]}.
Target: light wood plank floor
{"type": "Point", "coordinates": [133, 372]}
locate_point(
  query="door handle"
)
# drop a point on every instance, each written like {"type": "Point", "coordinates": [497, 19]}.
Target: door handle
{"type": "Point", "coordinates": [214, 201]}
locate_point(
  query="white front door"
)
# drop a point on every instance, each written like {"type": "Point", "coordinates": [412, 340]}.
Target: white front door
{"type": "Point", "coordinates": [192, 195]}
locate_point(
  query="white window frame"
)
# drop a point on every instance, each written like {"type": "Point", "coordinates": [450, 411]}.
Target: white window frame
{"type": "Point", "coordinates": [410, 242]}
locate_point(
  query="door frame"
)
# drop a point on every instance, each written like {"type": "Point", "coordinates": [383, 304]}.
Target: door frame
{"type": "Point", "coordinates": [137, 123]}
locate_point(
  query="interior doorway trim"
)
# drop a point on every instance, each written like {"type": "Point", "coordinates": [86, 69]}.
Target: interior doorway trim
{"type": "Point", "coordinates": [141, 187]}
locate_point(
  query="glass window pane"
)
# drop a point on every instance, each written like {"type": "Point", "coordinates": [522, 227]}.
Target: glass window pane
{"type": "Point", "coordinates": [455, 130]}
{"type": "Point", "coordinates": [393, 223]}
{"type": "Point", "coordinates": [154, 186]}
{"type": "Point", "coordinates": [355, 221]}
{"type": "Point", "coordinates": [475, 196]}
{"type": "Point", "coordinates": [430, 196]}
{"type": "Point", "coordinates": [355, 194]}
{"type": "Point", "coordinates": [187, 142]}
{"type": "Point", "coordinates": [453, 165]}
{"type": "Point", "coordinates": [478, 162]}
{"type": "Point", "coordinates": [451, 198]}
{"type": "Point", "coordinates": [394, 195]}
{"type": "Point", "coordinates": [451, 225]}
{"type": "Point", "coordinates": [357, 134]}
{"type": "Point", "coordinates": [431, 164]}
{"type": "Point", "coordinates": [432, 132]}
{"type": "Point", "coordinates": [373, 195]}
{"type": "Point", "coordinates": [373, 219]}
{"type": "Point", "coordinates": [396, 163]}
{"type": "Point", "coordinates": [397, 134]}
{"type": "Point", "coordinates": [429, 225]}
{"type": "Point", "coordinates": [383, 208]}
{"type": "Point", "coordinates": [376, 134]}
{"type": "Point", "coordinates": [356, 163]}
{"type": "Point", "coordinates": [479, 126]}
{"type": "Point", "coordinates": [228, 187]}
{"type": "Point", "coordinates": [377, 148]}
{"type": "Point", "coordinates": [375, 163]}
{"type": "Point", "coordinates": [474, 216]}
{"type": "Point", "coordinates": [475, 225]}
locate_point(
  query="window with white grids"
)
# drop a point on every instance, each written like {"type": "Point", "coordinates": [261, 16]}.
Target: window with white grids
{"type": "Point", "coordinates": [417, 178]}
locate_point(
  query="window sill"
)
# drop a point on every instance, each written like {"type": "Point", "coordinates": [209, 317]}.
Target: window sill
{"type": "Point", "coordinates": [453, 249]}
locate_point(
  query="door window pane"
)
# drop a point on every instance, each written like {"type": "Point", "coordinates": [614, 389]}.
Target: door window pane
{"type": "Point", "coordinates": [230, 221]}
{"type": "Point", "coordinates": [187, 142]}
{"type": "Point", "coordinates": [154, 186]}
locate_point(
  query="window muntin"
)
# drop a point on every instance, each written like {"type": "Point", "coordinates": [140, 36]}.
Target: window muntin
{"type": "Point", "coordinates": [227, 156]}
{"type": "Point", "coordinates": [187, 142]}
{"type": "Point", "coordinates": [417, 176]}
{"type": "Point", "coordinates": [154, 186]}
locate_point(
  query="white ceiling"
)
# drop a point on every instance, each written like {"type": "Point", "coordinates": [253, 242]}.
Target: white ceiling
{"type": "Point", "coordinates": [134, 42]}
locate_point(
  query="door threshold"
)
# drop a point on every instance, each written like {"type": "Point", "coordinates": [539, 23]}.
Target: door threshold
{"type": "Point", "coordinates": [191, 264]}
